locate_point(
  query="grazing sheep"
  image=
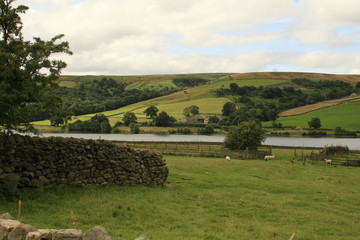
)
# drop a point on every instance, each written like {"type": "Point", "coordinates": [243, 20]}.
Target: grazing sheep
{"type": "Point", "coordinates": [228, 158]}
{"type": "Point", "coordinates": [328, 161]}
{"type": "Point", "coordinates": [269, 157]}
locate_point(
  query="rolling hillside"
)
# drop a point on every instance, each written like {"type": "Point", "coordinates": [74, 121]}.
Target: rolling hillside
{"type": "Point", "coordinates": [345, 115]}
{"type": "Point", "coordinates": [208, 103]}
{"type": "Point", "coordinates": [176, 102]}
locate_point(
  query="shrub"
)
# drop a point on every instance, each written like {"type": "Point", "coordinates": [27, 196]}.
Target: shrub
{"type": "Point", "coordinates": [134, 128]}
{"type": "Point", "coordinates": [331, 150]}
{"type": "Point", "coordinates": [315, 133]}
{"type": "Point", "coordinates": [339, 132]}
{"type": "Point", "coordinates": [118, 124]}
{"type": "Point", "coordinates": [116, 130]}
{"type": "Point", "coordinates": [277, 125]}
{"type": "Point", "coordinates": [208, 129]}
{"type": "Point", "coordinates": [184, 130]}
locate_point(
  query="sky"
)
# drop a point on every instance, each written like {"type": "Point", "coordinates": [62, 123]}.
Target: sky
{"type": "Point", "coordinates": [138, 37]}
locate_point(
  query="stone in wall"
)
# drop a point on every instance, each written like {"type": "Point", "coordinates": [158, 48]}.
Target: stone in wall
{"type": "Point", "coordinates": [97, 233]}
{"type": "Point", "coordinates": [68, 234]}
{"type": "Point", "coordinates": [41, 234]}
{"type": "Point", "coordinates": [6, 226]}
{"type": "Point", "coordinates": [20, 231]}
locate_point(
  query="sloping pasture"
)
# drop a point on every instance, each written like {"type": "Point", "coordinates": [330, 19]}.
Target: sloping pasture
{"type": "Point", "coordinates": [345, 115]}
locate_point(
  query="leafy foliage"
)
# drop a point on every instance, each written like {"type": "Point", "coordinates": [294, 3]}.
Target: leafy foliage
{"type": "Point", "coordinates": [163, 120]}
{"type": "Point", "coordinates": [129, 118]}
{"type": "Point", "coordinates": [27, 70]}
{"type": "Point", "coordinates": [265, 103]}
{"type": "Point", "coordinates": [315, 123]}
{"type": "Point", "coordinates": [103, 95]}
{"type": "Point", "coordinates": [228, 108]}
{"type": "Point", "coordinates": [191, 111]}
{"type": "Point", "coordinates": [98, 123]}
{"type": "Point", "coordinates": [189, 81]}
{"type": "Point", "coordinates": [134, 128]}
{"type": "Point", "coordinates": [339, 132]}
{"type": "Point", "coordinates": [151, 111]}
{"type": "Point", "coordinates": [246, 135]}
{"type": "Point", "coordinates": [331, 150]}
{"type": "Point", "coordinates": [208, 129]}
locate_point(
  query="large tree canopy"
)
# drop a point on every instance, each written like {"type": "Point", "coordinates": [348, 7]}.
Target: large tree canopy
{"type": "Point", "coordinates": [245, 135]}
{"type": "Point", "coordinates": [26, 69]}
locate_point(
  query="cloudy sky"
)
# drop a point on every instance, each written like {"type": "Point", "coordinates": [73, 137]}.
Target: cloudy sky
{"type": "Point", "coordinates": [127, 37]}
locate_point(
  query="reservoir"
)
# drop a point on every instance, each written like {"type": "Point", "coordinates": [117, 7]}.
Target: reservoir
{"type": "Point", "coordinates": [352, 143]}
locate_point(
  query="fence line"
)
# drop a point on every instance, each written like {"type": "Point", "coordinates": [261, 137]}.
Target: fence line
{"type": "Point", "coordinates": [199, 149]}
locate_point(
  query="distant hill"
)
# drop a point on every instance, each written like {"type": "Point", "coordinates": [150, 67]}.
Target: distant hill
{"type": "Point", "coordinates": [203, 95]}
{"type": "Point", "coordinates": [292, 75]}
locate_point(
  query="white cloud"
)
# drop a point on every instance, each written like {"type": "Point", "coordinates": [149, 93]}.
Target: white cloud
{"type": "Point", "coordinates": [132, 37]}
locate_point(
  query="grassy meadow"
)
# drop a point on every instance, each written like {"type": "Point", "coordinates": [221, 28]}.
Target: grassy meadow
{"type": "Point", "coordinates": [210, 198]}
{"type": "Point", "coordinates": [345, 115]}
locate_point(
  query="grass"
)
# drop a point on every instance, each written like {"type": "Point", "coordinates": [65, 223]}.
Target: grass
{"type": "Point", "coordinates": [317, 106]}
{"type": "Point", "coordinates": [209, 198]}
{"type": "Point", "coordinates": [343, 115]}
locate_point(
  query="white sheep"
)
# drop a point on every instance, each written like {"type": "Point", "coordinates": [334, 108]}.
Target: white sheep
{"type": "Point", "coordinates": [269, 157]}
{"type": "Point", "coordinates": [328, 161]}
{"type": "Point", "coordinates": [227, 158]}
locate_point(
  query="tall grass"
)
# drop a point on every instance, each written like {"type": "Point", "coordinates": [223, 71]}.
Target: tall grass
{"type": "Point", "coordinates": [210, 198]}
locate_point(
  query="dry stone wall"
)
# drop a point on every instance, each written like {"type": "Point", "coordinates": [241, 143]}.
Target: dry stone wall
{"type": "Point", "coordinates": [14, 230]}
{"type": "Point", "coordinates": [43, 162]}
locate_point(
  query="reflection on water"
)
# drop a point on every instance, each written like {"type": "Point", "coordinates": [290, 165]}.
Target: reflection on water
{"type": "Point", "coordinates": [352, 143]}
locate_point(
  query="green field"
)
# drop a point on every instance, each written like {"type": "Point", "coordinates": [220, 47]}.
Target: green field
{"type": "Point", "coordinates": [345, 115]}
{"type": "Point", "coordinates": [210, 198]}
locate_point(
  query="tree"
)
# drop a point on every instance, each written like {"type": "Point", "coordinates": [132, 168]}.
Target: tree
{"type": "Point", "coordinates": [163, 119]}
{"type": "Point", "coordinates": [234, 87]}
{"type": "Point", "coordinates": [246, 135]}
{"type": "Point", "coordinates": [314, 123]}
{"type": "Point", "coordinates": [27, 70]}
{"type": "Point", "coordinates": [151, 112]}
{"type": "Point", "coordinates": [228, 108]}
{"type": "Point", "coordinates": [134, 128]}
{"type": "Point", "coordinates": [129, 117]}
{"type": "Point", "coordinates": [357, 87]}
{"type": "Point", "coordinates": [191, 111]}
{"type": "Point", "coordinates": [214, 119]}
{"type": "Point", "coordinates": [208, 129]}
{"type": "Point", "coordinates": [98, 123]}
